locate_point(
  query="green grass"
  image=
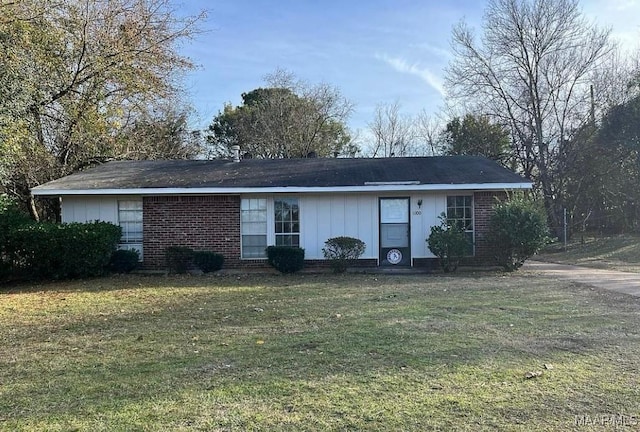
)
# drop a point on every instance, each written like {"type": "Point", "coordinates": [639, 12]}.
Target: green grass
{"type": "Point", "coordinates": [353, 352]}
{"type": "Point", "coordinates": [621, 252]}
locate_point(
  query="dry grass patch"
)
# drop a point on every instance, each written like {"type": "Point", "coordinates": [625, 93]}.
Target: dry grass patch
{"type": "Point", "coordinates": [353, 352]}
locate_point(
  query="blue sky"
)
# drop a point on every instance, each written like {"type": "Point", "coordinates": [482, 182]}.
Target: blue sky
{"type": "Point", "coordinates": [374, 51]}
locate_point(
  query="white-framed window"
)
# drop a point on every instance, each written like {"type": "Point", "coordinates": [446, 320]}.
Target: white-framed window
{"type": "Point", "coordinates": [253, 227]}
{"type": "Point", "coordinates": [286, 217]}
{"type": "Point", "coordinates": [130, 220]}
{"type": "Point", "coordinates": [268, 221]}
{"type": "Point", "coordinates": [460, 213]}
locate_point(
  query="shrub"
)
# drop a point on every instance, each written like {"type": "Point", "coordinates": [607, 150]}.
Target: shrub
{"type": "Point", "coordinates": [286, 259]}
{"type": "Point", "coordinates": [449, 243]}
{"type": "Point", "coordinates": [5, 269]}
{"type": "Point", "coordinates": [179, 259]}
{"type": "Point", "coordinates": [124, 260]}
{"type": "Point", "coordinates": [208, 261]}
{"type": "Point", "coordinates": [343, 251]}
{"type": "Point", "coordinates": [517, 229]}
{"type": "Point", "coordinates": [11, 218]}
{"type": "Point", "coordinates": [60, 251]}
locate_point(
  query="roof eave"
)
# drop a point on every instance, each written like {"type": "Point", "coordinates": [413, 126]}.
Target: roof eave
{"type": "Point", "coordinates": [280, 189]}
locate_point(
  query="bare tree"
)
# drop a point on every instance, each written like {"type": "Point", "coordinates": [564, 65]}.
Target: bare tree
{"type": "Point", "coordinates": [531, 70]}
{"type": "Point", "coordinates": [428, 131]}
{"type": "Point", "coordinates": [393, 133]}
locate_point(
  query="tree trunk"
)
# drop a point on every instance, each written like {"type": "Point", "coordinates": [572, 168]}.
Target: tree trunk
{"type": "Point", "coordinates": [33, 209]}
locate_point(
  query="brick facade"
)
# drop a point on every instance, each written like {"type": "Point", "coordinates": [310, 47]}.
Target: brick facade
{"type": "Point", "coordinates": [210, 222]}
{"type": "Point", "coordinates": [483, 203]}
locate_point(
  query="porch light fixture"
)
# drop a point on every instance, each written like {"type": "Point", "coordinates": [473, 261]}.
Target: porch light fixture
{"type": "Point", "coordinates": [419, 203]}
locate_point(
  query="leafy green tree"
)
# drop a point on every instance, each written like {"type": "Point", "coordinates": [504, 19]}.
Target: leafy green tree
{"type": "Point", "coordinates": [75, 74]}
{"type": "Point", "coordinates": [603, 171]}
{"type": "Point", "coordinates": [476, 136]}
{"type": "Point", "coordinates": [286, 120]}
{"type": "Point", "coordinates": [621, 125]}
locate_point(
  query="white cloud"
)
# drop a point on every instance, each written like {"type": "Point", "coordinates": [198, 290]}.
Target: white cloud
{"type": "Point", "coordinates": [424, 73]}
{"type": "Point", "coordinates": [432, 49]}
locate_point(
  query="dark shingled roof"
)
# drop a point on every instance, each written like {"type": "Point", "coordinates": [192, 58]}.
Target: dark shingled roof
{"type": "Point", "coordinates": [259, 173]}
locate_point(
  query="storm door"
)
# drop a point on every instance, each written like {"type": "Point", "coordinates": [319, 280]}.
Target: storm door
{"type": "Point", "coordinates": [394, 232]}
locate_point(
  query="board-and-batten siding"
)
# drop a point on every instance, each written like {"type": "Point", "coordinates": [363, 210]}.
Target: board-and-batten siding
{"type": "Point", "coordinates": [91, 208]}
{"type": "Point", "coordinates": [432, 207]}
{"type": "Point", "coordinates": [326, 216]}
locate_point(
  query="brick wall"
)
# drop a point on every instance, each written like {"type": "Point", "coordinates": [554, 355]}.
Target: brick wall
{"type": "Point", "coordinates": [200, 222]}
{"type": "Point", "coordinates": [483, 203]}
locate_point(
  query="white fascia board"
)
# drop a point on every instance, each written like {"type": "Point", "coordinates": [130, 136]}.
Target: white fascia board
{"type": "Point", "coordinates": [292, 189]}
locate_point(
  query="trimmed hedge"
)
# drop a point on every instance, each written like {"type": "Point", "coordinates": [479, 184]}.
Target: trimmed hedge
{"type": "Point", "coordinates": [208, 261]}
{"type": "Point", "coordinates": [286, 259]}
{"type": "Point", "coordinates": [124, 260]}
{"type": "Point", "coordinates": [342, 252]}
{"type": "Point", "coordinates": [61, 251]}
{"type": "Point", "coordinates": [179, 259]}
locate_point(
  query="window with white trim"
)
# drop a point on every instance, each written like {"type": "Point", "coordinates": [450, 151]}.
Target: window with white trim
{"type": "Point", "coordinates": [253, 227]}
{"type": "Point", "coordinates": [130, 220]}
{"type": "Point", "coordinates": [460, 214]}
{"type": "Point", "coordinates": [287, 221]}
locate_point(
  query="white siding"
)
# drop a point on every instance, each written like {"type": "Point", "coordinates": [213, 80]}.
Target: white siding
{"type": "Point", "coordinates": [325, 216]}
{"type": "Point", "coordinates": [422, 219]}
{"type": "Point", "coordinates": [90, 208]}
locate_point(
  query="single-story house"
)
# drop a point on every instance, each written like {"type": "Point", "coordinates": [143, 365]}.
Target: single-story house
{"type": "Point", "coordinates": [238, 207]}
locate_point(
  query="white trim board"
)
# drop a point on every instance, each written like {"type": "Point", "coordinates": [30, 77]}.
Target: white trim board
{"type": "Point", "coordinates": [287, 189]}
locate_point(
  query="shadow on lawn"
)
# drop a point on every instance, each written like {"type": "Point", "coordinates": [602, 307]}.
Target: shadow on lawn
{"type": "Point", "coordinates": [258, 280]}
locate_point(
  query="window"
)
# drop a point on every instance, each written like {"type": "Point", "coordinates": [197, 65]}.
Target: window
{"type": "Point", "coordinates": [268, 221]}
{"type": "Point", "coordinates": [287, 222]}
{"type": "Point", "coordinates": [130, 220]}
{"type": "Point", "coordinates": [460, 213]}
{"type": "Point", "coordinates": [253, 222]}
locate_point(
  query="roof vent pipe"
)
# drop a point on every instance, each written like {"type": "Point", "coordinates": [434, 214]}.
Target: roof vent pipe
{"type": "Point", "coordinates": [236, 153]}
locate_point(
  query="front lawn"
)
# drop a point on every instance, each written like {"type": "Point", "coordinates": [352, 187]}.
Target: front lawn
{"type": "Point", "coordinates": [318, 352]}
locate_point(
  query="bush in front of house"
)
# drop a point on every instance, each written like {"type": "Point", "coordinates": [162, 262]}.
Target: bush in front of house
{"type": "Point", "coordinates": [208, 261]}
{"type": "Point", "coordinates": [517, 230]}
{"type": "Point", "coordinates": [62, 251]}
{"type": "Point", "coordinates": [285, 259]}
{"type": "Point", "coordinates": [449, 243]}
{"type": "Point", "coordinates": [124, 260]}
{"type": "Point", "coordinates": [342, 252]}
{"type": "Point", "coordinates": [11, 218]}
{"type": "Point", "coordinates": [179, 259]}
